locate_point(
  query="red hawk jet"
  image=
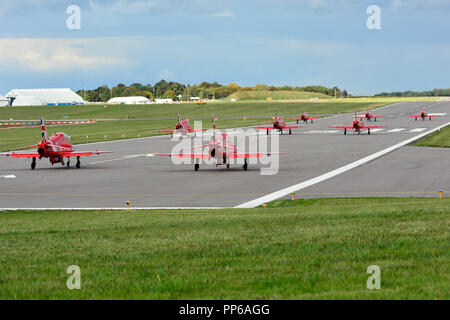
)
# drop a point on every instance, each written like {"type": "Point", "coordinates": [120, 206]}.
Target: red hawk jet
{"type": "Point", "coordinates": [304, 117]}
{"type": "Point", "coordinates": [369, 116]}
{"type": "Point", "coordinates": [55, 148]}
{"type": "Point", "coordinates": [220, 149]}
{"type": "Point", "coordinates": [357, 126]}
{"type": "Point", "coordinates": [182, 127]}
{"type": "Point", "coordinates": [278, 124]}
{"type": "Point", "coordinates": [423, 115]}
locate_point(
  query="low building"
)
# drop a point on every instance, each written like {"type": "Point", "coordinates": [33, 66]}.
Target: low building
{"type": "Point", "coordinates": [51, 97]}
{"type": "Point", "coordinates": [129, 100]}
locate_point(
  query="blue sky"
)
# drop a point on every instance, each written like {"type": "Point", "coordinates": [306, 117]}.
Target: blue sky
{"type": "Point", "coordinates": [281, 42]}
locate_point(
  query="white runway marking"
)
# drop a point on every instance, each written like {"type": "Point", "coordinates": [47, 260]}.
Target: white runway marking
{"type": "Point", "coordinates": [396, 130]}
{"type": "Point", "coordinates": [118, 159]}
{"type": "Point", "coordinates": [286, 191]}
{"type": "Point", "coordinates": [114, 209]}
{"type": "Point", "coordinates": [322, 131]}
{"type": "Point", "coordinates": [418, 130]}
{"type": "Point", "coordinates": [8, 176]}
{"type": "Point", "coordinates": [376, 130]}
{"type": "Point", "coordinates": [437, 114]}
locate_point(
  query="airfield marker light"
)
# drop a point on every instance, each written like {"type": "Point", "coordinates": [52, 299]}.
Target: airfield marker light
{"type": "Point", "coordinates": [123, 136]}
{"type": "Point", "coordinates": [105, 137]}
{"type": "Point", "coordinates": [440, 194]}
{"type": "Point", "coordinates": [264, 205]}
{"type": "Point", "coordinates": [245, 118]}
{"type": "Point", "coordinates": [128, 205]}
{"type": "Point", "coordinates": [293, 195]}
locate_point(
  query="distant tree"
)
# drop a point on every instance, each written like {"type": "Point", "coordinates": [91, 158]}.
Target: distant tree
{"type": "Point", "coordinates": [169, 94]}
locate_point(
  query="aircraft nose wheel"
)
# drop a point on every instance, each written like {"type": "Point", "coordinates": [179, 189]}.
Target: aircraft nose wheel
{"type": "Point", "coordinates": [33, 164]}
{"type": "Point", "coordinates": [245, 167]}
{"type": "Point", "coordinates": [196, 167]}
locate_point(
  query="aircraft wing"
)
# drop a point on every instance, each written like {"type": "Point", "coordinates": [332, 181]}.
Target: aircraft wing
{"type": "Point", "coordinates": [290, 127]}
{"type": "Point", "coordinates": [370, 127]}
{"type": "Point", "coordinates": [199, 130]}
{"type": "Point", "coordinates": [341, 127]}
{"type": "Point", "coordinates": [250, 155]}
{"type": "Point", "coordinates": [168, 131]}
{"type": "Point", "coordinates": [185, 155]}
{"type": "Point", "coordinates": [20, 155]}
{"type": "Point", "coordinates": [267, 128]}
{"type": "Point", "coordinates": [82, 154]}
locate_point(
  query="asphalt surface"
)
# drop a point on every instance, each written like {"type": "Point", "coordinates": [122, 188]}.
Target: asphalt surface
{"type": "Point", "coordinates": [132, 174]}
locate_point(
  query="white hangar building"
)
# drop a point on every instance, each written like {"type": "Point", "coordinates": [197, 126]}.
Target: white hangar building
{"type": "Point", "coordinates": [39, 97]}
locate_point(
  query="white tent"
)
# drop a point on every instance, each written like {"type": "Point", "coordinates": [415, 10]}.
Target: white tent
{"type": "Point", "coordinates": [48, 96]}
{"type": "Point", "coordinates": [22, 101]}
{"type": "Point", "coordinates": [163, 101]}
{"type": "Point", "coordinates": [129, 100]}
{"type": "Point", "coordinates": [3, 101]}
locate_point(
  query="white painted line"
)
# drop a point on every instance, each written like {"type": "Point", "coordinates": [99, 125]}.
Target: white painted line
{"type": "Point", "coordinates": [321, 131]}
{"type": "Point", "coordinates": [376, 130]}
{"type": "Point", "coordinates": [113, 208]}
{"type": "Point", "coordinates": [418, 130]}
{"type": "Point", "coordinates": [118, 159]}
{"type": "Point", "coordinates": [8, 176]}
{"type": "Point", "coordinates": [286, 191]}
{"type": "Point", "coordinates": [437, 114]}
{"type": "Point", "coordinates": [396, 130]}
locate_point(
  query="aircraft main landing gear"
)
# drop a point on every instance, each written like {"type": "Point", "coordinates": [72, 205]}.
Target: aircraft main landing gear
{"type": "Point", "coordinates": [68, 162]}
{"type": "Point", "coordinates": [290, 131]}
{"type": "Point", "coordinates": [33, 164]}
{"type": "Point", "coordinates": [245, 167]}
{"type": "Point", "coordinates": [368, 132]}
{"type": "Point", "coordinates": [345, 131]}
{"type": "Point", "coordinates": [78, 165]}
{"type": "Point", "coordinates": [196, 167]}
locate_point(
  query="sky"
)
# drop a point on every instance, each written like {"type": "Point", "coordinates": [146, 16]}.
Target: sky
{"type": "Point", "coordinates": [276, 42]}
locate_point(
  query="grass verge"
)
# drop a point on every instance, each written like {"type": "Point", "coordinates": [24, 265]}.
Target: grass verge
{"type": "Point", "coordinates": [307, 249]}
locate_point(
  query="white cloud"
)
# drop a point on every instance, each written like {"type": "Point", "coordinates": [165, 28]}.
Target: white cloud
{"type": "Point", "coordinates": [166, 75]}
{"type": "Point", "coordinates": [123, 6]}
{"type": "Point", "coordinates": [419, 4]}
{"type": "Point", "coordinates": [56, 54]}
{"type": "Point", "coordinates": [227, 13]}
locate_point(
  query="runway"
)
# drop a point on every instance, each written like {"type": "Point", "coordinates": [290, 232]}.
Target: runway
{"type": "Point", "coordinates": [132, 174]}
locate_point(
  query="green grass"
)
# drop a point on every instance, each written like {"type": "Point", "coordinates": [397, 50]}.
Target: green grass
{"type": "Point", "coordinates": [310, 249]}
{"type": "Point", "coordinates": [257, 113]}
{"type": "Point", "coordinates": [440, 138]}
{"type": "Point", "coordinates": [277, 95]}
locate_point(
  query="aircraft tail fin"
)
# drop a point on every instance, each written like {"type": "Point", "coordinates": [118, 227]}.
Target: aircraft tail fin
{"type": "Point", "coordinates": [43, 129]}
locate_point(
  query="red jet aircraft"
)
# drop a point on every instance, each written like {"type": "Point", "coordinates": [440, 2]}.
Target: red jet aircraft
{"type": "Point", "coordinates": [182, 127]}
{"type": "Point", "coordinates": [219, 149]}
{"type": "Point", "coordinates": [278, 124]}
{"type": "Point", "coordinates": [357, 126]}
{"type": "Point", "coordinates": [423, 115]}
{"type": "Point", "coordinates": [55, 148]}
{"type": "Point", "coordinates": [369, 116]}
{"type": "Point", "coordinates": [304, 117]}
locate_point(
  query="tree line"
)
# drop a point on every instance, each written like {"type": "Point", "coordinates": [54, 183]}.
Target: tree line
{"type": "Point", "coordinates": [178, 91]}
{"type": "Point", "coordinates": [409, 93]}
